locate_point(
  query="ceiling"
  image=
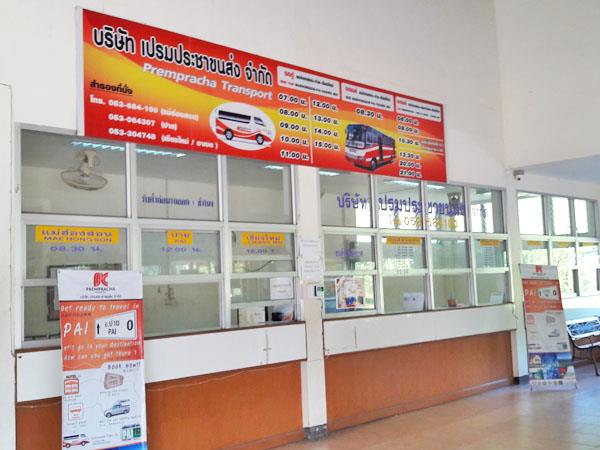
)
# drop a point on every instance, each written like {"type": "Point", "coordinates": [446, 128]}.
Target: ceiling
{"type": "Point", "coordinates": [586, 169]}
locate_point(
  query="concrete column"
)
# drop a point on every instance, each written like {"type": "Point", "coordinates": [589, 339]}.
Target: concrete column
{"type": "Point", "coordinates": [7, 361]}
{"type": "Point", "coordinates": [314, 404]}
{"type": "Point", "coordinates": [518, 338]}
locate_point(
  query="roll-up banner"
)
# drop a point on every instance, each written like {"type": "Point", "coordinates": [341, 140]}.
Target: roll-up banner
{"type": "Point", "coordinates": [158, 88]}
{"type": "Point", "coordinates": [548, 350]}
{"type": "Point", "coordinates": [102, 340]}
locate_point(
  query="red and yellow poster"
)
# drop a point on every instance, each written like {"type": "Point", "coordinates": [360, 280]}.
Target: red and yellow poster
{"type": "Point", "coordinates": [153, 87]}
{"type": "Point", "coordinates": [102, 340]}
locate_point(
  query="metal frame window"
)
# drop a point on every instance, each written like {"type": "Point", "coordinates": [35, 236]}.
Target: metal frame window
{"type": "Point", "coordinates": [406, 277]}
{"type": "Point", "coordinates": [578, 269]}
{"type": "Point", "coordinates": [134, 226]}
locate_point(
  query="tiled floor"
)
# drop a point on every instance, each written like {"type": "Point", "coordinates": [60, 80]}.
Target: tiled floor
{"type": "Point", "coordinates": [506, 418]}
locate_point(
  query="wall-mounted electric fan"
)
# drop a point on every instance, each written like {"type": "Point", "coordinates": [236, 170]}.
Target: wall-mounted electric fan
{"type": "Point", "coordinates": [83, 176]}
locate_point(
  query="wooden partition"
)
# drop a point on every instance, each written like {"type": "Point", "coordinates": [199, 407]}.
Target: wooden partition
{"type": "Point", "coordinates": [250, 409]}
{"type": "Point", "coordinates": [368, 385]}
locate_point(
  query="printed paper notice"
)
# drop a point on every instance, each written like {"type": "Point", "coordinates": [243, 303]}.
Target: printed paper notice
{"type": "Point", "coordinates": [282, 288]}
{"type": "Point", "coordinates": [310, 251]}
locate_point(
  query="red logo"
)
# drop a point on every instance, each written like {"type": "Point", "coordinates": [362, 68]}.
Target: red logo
{"type": "Point", "coordinates": [100, 279]}
{"type": "Point", "coordinates": [539, 269]}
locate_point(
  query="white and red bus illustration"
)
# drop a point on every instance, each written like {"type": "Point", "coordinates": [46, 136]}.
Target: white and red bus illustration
{"type": "Point", "coordinates": [75, 440]}
{"type": "Point", "coordinates": [367, 147]}
{"type": "Point", "coordinates": [233, 125]}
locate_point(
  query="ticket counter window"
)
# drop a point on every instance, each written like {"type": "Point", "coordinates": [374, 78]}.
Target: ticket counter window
{"type": "Point", "coordinates": [404, 294]}
{"type": "Point", "coordinates": [445, 207]}
{"type": "Point", "coordinates": [404, 274]}
{"type": "Point", "coordinates": [491, 253]}
{"type": "Point", "coordinates": [259, 301]}
{"type": "Point", "coordinates": [72, 175]}
{"type": "Point", "coordinates": [263, 278]}
{"type": "Point", "coordinates": [402, 253]}
{"type": "Point", "coordinates": [173, 184]}
{"type": "Point", "coordinates": [399, 204]}
{"type": "Point", "coordinates": [50, 248]}
{"type": "Point", "coordinates": [262, 252]}
{"type": "Point", "coordinates": [180, 308]}
{"type": "Point", "coordinates": [349, 294]}
{"type": "Point", "coordinates": [487, 215]}
{"type": "Point", "coordinates": [345, 199]}
{"type": "Point", "coordinates": [450, 254]}
{"type": "Point", "coordinates": [259, 191]}
{"type": "Point", "coordinates": [180, 252]}
{"type": "Point", "coordinates": [54, 247]}
{"type": "Point", "coordinates": [491, 271]}
{"type": "Point", "coordinates": [40, 313]}
{"type": "Point", "coordinates": [451, 291]}
{"type": "Point", "coordinates": [451, 273]}
{"type": "Point", "coordinates": [108, 205]}
{"type": "Point", "coordinates": [492, 288]}
{"type": "Point", "coordinates": [349, 252]}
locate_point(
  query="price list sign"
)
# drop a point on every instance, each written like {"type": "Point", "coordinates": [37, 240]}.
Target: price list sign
{"type": "Point", "coordinates": [102, 341]}
{"type": "Point", "coordinates": [154, 87]}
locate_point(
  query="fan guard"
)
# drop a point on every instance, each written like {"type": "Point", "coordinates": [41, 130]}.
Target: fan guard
{"type": "Point", "coordinates": [84, 177]}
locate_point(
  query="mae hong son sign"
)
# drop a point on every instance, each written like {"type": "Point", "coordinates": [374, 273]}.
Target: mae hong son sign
{"type": "Point", "coordinates": [154, 87]}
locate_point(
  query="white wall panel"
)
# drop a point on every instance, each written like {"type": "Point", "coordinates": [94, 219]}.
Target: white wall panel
{"type": "Point", "coordinates": [369, 333]}
{"type": "Point", "coordinates": [177, 357]}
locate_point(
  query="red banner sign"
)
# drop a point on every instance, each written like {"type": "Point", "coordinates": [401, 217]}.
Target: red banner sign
{"type": "Point", "coordinates": [150, 86]}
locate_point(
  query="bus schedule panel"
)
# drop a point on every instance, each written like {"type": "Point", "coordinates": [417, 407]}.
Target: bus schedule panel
{"type": "Point", "coordinates": [150, 86]}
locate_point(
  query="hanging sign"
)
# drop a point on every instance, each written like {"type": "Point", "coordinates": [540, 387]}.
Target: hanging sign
{"type": "Point", "coordinates": [102, 339]}
{"type": "Point", "coordinates": [150, 86]}
{"type": "Point", "coordinates": [548, 349]}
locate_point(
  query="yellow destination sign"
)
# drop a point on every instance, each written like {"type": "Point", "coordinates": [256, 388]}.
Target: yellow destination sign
{"type": "Point", "coordinates": [52, 234]}
{"type": "Point", "coordinates": [261, 239]}
{"type": "Point", "coordinates": [489, 243]}
{"type": "Point", "coordinates": [535, 243]}
{"type": "Point", "coordinates": [180, 237]}
{"type": "Point", "coordinates": [401, 240]}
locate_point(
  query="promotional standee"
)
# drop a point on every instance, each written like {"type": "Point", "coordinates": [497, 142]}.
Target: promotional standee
{"type": "Point", "coordinates": [154, 87]}
{"type": "Point", "coordinates": [548, 350]}
{"type": "Point", "coordinates": [102, 339]}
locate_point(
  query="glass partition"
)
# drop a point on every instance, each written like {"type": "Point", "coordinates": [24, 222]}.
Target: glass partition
{"type": "Point", "coordinates": [345, 199]}
{"type": "Point", "coordinates": [72, 175]}
{"type": "Point", "coordinates": [445, 207]}
{"type": "Point", "coordinates": [173, 184]}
